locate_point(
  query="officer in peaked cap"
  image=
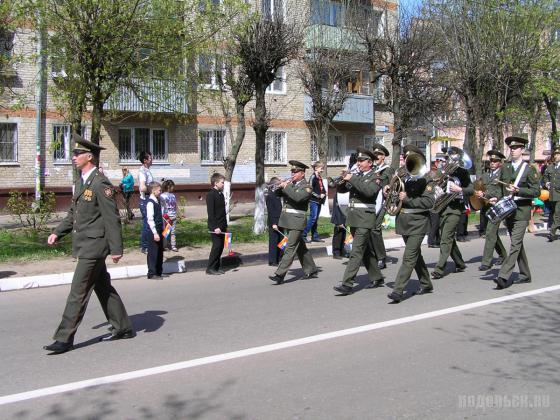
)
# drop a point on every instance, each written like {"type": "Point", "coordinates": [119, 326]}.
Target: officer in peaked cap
{"type": "Point", "coordinates": [490, 230]}
{"type": "Point", "coordinates": [296, 193]}
{"type": "Point", "coordinates": [383, 175]}
{"type": "Point", "coordinates": [93, 220]}
{"type": "Point", "coordinates": [411, 148]}
{"type": "Point", "coordinates": [552, 183]}
{"type": "Point", "coordinates": [361, 220]}
{"type": "Point", "coordinates": [513, 141]}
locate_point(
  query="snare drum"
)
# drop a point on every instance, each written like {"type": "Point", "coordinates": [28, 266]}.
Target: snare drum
{"type": "Point", "coordinates": [501, 210]}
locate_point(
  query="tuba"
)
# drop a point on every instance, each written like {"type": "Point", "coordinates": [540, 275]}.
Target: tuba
{"type": "Point", "coordinates": [414, 167]}
{"type": "Point", "coordinates": [457, 159]}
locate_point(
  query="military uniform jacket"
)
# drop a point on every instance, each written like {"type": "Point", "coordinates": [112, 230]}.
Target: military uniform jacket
{"type": "Point", "coordinates": [420, 196]}
{"type": "Point", "coordinates": [492, 189]}
{"type": "Point", "coordinates": [361, 205]}
{"type": "Point", "coordinates": [529, 188]}
{"type": "Point", "coordinates": [296, 201]}
{"type": "Point", "coordinates": [458, 206]}
{"type": "Point", "coordinates": [552, 175]}
{"type": "Point", "coordinates": [93, 219]}
{"type": "Point", "coordinates": [384, 176]}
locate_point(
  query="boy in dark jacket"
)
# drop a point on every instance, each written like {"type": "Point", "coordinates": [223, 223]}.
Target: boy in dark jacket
{"type": "Point", "coordinates": [217, 222]}
{"type": "Point", "coordinates": [274, 208]}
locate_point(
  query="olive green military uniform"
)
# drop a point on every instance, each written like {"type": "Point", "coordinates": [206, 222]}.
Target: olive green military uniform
{"type": "Point", "coordinates": [492, 241]}
{"type": "Point", "coordinates": [450, 217]}
{"type": "Point", "coordinates": [552, 175]}
{"type": "Point", "coordinates": [413, 223]}
{"type": "Point", "coordinates": [383, 178]}
{"type": "Point", "coordinates": [293, 218]}
{"type": "Point", "coordinates": [517, 222]}
{"type": "Point", "coordinates": [361, 220]}
{"type": "Point", "coordinates": [93, 220]}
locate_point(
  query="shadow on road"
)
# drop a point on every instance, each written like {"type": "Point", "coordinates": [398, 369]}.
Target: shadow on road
{"type": "Point", "coordinates": [147, 322]}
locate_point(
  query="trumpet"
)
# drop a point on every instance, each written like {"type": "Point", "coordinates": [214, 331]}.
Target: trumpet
{"type": "Point", "coordinates": [273, 186]}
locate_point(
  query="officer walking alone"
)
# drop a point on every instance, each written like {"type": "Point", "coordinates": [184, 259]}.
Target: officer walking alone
{"type": "Point", "coordinates": [94, 221]}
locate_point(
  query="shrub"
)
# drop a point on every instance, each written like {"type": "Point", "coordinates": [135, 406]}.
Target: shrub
{"type": "Point", "coordinates": [30, 213]}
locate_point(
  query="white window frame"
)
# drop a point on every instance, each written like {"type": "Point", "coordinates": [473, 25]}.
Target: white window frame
{"type": "Point", "coordinates": [211, 133]}
{"type": "Point", "coordinates": [134, 153]}
{"type": "Point", "coordinates": [279, 77]}
{"type": "Point", "coordinates": [281, 137]}
{"type": "Point", "coordinates": [14, 143]}
{"type": "Point", "coordinates": [213, 85]}
{"type": "Point", "coordinates": [330, 160]}
{"type": "Point", "coordinates": [271, 14]}
{"type": "Point", "coordinates": [332, 19]}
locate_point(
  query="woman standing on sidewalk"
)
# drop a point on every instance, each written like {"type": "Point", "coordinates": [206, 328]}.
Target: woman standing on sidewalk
{"type": "Point", "coordinates": [127, 188]}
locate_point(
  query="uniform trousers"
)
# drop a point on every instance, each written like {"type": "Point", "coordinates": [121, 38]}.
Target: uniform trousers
{"type": "Point", "coordinates": [516, 230]}
{"type": "Point", "coordinates": [362, 251]}
{"type": "Point", "coordinates": [448, 244]}
{"type": "Point", "coordinates": [433, 235]}
{"type": "Point", "coordinates": [554, 216]}
{"type": "Point", "coordinates": [215, 252]}
{"type": "Point", "coordinates": [377, 237]}
{"type": "Point", "coordinates": [491, 243]}
{"type": "Point", "coordinates": [482, 227]}
{"type": "Point", "coordinates": [91, 274]}
{"type": "Point", "coordinates": [296, 246]}
{"type": "Point", "coordinates": [412, 260]}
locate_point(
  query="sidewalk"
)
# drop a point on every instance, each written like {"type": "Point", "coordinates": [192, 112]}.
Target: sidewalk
{"type": "Point", "coordinates": [58, 271]}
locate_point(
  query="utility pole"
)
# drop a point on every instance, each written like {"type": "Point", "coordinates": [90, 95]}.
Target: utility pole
{"type": "Point", "coordinates": [41, 64]}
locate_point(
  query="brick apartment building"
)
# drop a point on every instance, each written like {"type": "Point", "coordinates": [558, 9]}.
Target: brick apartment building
{"type": "Point", "coordinates": [187, 153]}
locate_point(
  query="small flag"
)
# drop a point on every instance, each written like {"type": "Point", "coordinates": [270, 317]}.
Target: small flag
{"type": "Point", "coordinates": [349, 239]}
{"type": "Point", "coordinates": [227, 243]}
{"type": "Point", "coordinates": [282, 244]}
{"type": "Point", "coordinates": [167, 229]}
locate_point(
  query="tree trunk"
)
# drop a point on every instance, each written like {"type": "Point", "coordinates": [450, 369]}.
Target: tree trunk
{"type": "Point", "coordinates": [552, 108]}
{"type": "Point", "coordinates": [323, 144]}
{"type": "Point", "coordinates": [96, 117]}
{"type": "Point", "coordinates": [533, 125]}
{"type": "Point", "coordinates": [482, 136]}
{"type": "Point", "coordinates": [470, 144]}
{"type": "Point", "coordinates": [260, 126]}
{"type": "Point", "coordinates": [397, 140]}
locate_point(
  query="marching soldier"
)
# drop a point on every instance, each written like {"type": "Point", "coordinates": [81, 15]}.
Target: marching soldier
{"type": "Point", "coordinates": [522, 182]}
{"type": "Point", "coordinates": [492, 239]}
{"type": "Point", "coordinates": [383, 173]}
{"type": "Point", "coordinates": [552, 180]}
{"type": "Point", "coordinates": [361, 220]}
{"type": "Point", "coordinates": [296, 193]}
{"type": "Point", "coordinates": [94, 221]}
{"type": "Point", "coordinates": [413, 223]}
{"type": "Point", "coordinates": [450, 217]}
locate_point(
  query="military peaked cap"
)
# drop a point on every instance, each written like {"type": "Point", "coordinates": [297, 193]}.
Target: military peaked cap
{"type": "Point", "coordinates": [380, 149]}
{"type": "Point", "coordinates": [495, 154]}
{"type": "Point", "coordinates": [364, 153]}
{"type": "Point", "coordinates": [297, 165]}
{"type": "Point", "coordinates": [83, 145]}
{"type": "Point", "coordinates": [516, 141]}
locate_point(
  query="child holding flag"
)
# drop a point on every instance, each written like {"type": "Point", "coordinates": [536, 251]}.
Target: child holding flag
{"type": "Point", "coordinates": [275, 238]}
{"type": "Point", "coordinates": [155, 224]}
{"type": "Point", "coordinates": [217, 223]}
{"type": "Point", "coordinates": [169, 203]}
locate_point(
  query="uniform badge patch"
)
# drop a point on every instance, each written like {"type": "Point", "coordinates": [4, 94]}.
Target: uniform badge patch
{"type": "Point", "coordinates": [308, 189]}
{"type": "Point", "coordinates": [108, 192]}
{"type": "Point", "coordinates": [88, 194]}
{"type": "Point", "coordinates": [429, 188]}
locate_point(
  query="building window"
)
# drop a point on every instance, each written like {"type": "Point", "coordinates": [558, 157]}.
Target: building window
{"type": "Point", "coordinates": [275, 147]}
{"type": "Point", "coordinates": [135, 140]}
{"type": "Point", "coordinates": [279, 84]}
{"type": "Point", "coordinates": [212, 146]}
{"type": "Point", "coordinates": [61, 143]}
{"type": "Point", "coordinates": [337, 149]}
{"type": "Point", "coordinates": [8, 142]}
{"type": "Point", "coordinates": [210, 68]}
{"type": "Point", "coordinates": [443, 144]}
{"type": "Point", "coordinates": [327, 12]}
{"type": "Point", "coordinates": [273, 9]}
{"type": "Point", "coordinates": [370, 140]}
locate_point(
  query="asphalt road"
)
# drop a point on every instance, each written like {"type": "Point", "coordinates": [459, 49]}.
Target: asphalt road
{"type": "Point", "coordinates": [493, 359]}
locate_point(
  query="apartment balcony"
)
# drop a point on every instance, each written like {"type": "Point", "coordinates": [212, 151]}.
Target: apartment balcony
{"type": "Point", "coordinates": [332, 37]}
{"type": "Point", "coordinates": [357, 109]}
{"type": "Point", "coordinates": [156, 97]}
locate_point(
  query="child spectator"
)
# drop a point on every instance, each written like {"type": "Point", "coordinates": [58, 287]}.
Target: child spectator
{"type": "Point", "coordinates": [273, 208]}
{"type": "Point", "coordinates": [155, 225]}
{"type": "Point", "coordinates": [169, 203]}
{"type": "Point", "coordinates": [217, 222]}
{"type": "Point", "coordinates": [127, 188]}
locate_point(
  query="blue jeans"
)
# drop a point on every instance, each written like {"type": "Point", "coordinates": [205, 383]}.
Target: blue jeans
{"type": "Point", "coordinates": [145, 228]}
{"type": "Point", "coordinates": [314, 210]}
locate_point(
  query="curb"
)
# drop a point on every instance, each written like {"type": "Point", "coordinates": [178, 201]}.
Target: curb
{"type": "Point", "coordinates": [181, 266]}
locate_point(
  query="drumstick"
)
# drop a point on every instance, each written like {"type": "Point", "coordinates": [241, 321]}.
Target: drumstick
{"type": "Point", "coordinates": [497, 181]}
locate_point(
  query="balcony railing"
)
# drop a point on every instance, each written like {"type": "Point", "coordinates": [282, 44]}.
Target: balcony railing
{"type": "Point", "coordinates": [158, 96]}
{"type": "Point", "coordinates": [332, 37]}
{"type": "Point", "coordinates": [357, 109]}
